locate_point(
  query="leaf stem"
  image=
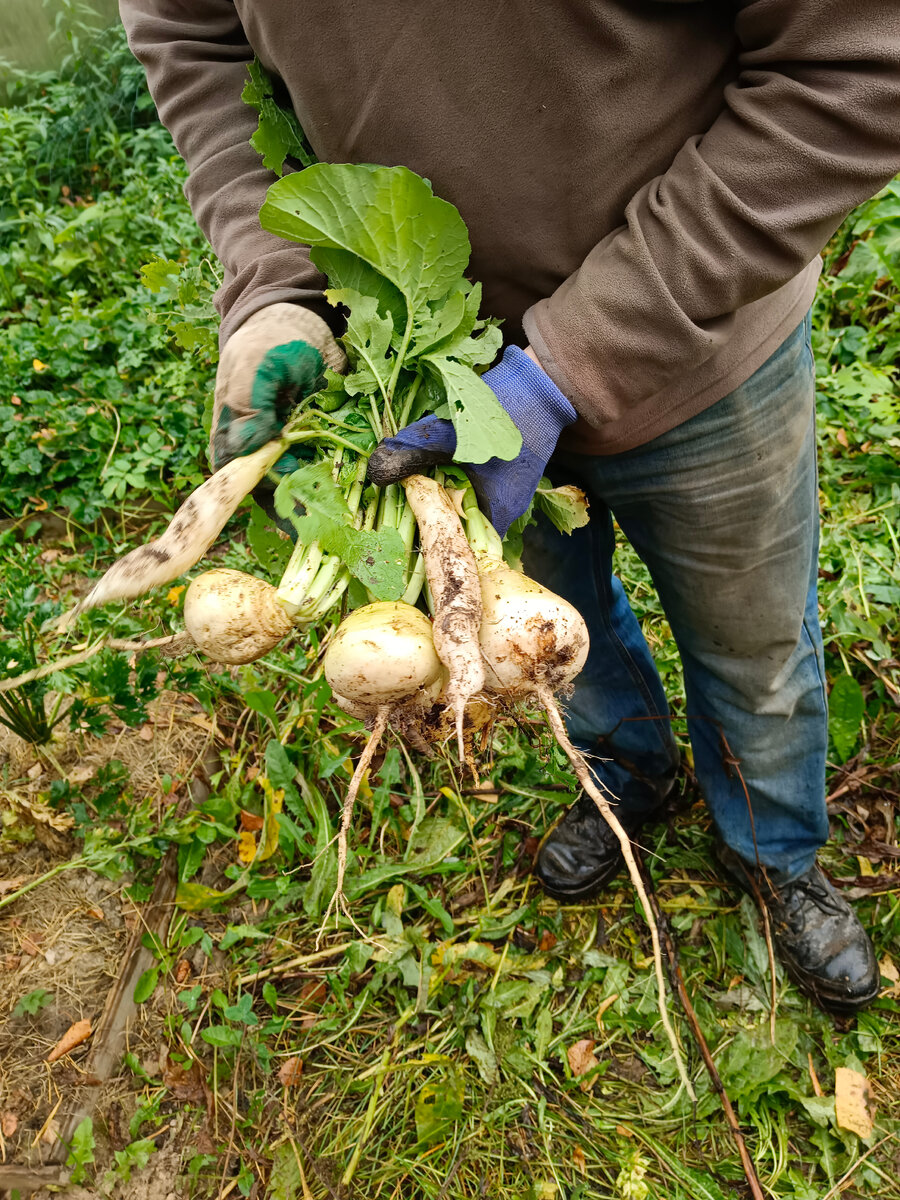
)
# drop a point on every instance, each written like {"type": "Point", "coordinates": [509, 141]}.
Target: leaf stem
{"type": "Point", "coordinates": [401, 355]}
{"type": "Point", "coordinates": [408, 402]}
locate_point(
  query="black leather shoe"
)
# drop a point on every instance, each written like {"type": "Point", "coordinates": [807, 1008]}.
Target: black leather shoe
{"type": "Point", "coordinates": [581, 853]}
{"type": "Point", "coordinates": [817, 936]}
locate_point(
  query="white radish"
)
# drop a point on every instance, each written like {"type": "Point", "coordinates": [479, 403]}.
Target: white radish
{"type": "Point", "coordinates": [191, 532]}
{"type": "Point", "coordinates": [381, 663]}
{"type": "Point", "coordinates": [453, 578]}
{"type": "Point", "coordinates": [234, 617]}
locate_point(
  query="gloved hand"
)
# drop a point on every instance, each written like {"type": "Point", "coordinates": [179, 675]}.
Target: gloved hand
{"type": "Point", "coordinates": [504, 489]}
{"type": "Point", "coordinates": [269, 364]}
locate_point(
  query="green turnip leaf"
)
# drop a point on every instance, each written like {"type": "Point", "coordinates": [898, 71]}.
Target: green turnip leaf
{"type": "Point", "coordinates": [377, 558]}
{"type": "Point", "coordinates": [483, 429]}
{"type": "Point", "coordinates": [387, 216]}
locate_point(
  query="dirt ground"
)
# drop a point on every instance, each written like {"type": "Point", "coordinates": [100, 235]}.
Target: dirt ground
{"type": "Point", "coordinates": [64, 946]}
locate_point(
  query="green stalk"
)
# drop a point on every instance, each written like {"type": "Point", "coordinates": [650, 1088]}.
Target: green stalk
{"type": "Point", "coordinates": [321, 435]}
{"type": "Point", "coordinates": [416, 583]}
{"type": "Point", "coordinates": [401, 355]}
{"type": "Point", "coordinates": [298, 576]}
{"type": "Point", "coordinates": [408, 403]}
{"type": "Point", "coordinates": [480, 533]}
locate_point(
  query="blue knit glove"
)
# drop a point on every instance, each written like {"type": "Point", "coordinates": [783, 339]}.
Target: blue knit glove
{"type": "Point", "coordinates": [504, 489]}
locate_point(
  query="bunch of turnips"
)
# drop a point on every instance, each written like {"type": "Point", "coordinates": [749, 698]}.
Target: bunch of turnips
{"type": "Point", "coordinates": [439, 618]}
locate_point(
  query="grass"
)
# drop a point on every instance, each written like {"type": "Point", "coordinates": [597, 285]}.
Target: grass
{"type": "Point", "coordinates": [439, 1051]}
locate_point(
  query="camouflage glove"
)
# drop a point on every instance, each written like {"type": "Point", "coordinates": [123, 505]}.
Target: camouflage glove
{"type": "Point", "coordinates": [269, 364]}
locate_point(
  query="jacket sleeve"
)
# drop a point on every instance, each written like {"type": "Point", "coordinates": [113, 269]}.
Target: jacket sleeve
{"type": "Point", "coordinates": [196, 54]}
{"type": "Point", "coordinates": [808, 130]}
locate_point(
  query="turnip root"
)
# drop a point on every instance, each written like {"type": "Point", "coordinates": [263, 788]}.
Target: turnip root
{"type": "Point", "coordinates": [534, 644]}
{"type": "Point", "coordinates": [586, 779]}
{"type": "Point", "coordinates": [453, 579]}
{"type": "Point", "coordinates": [234, 617]}
{"type": "Point", "coordinates": [380, 664]}
{"type": "Point", "coordinates": [191, 532]}
{"type": "Point", "coordinates": [381, 654]}
{"type": "Point", "coordinates": [527, 632]}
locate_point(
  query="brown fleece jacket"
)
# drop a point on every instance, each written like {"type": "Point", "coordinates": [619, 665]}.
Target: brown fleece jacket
{"type": "Point", "coordinates": [647, 183]}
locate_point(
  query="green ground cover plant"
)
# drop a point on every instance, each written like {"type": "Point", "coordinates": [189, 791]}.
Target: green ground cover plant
{"type": "Point", "coordinates": [481, 1039]}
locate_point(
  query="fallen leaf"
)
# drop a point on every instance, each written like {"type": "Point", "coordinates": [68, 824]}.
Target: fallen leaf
{"type": "Point", "coordinates": [290, 1071]}
{"type": "Point", "coordinates": [547, 942]}
{"type": "Point", "coordinates": [31, 944]}
{"type": "Point", "coordinates": [174, 592]}
{"type": "Point", "coordinates": [853, 1105]}
{"type": "Point", "coordinates": [313, 993]}
{"type": "Point", "coordinates": [579, 1160]}
{"type": "Point", "coordinates": [74, 1036]}
{"type": "Point", "coordinates": [813, 1078]}
{"type": "Point", "coordinates": [12, 962]}
{"type": "Point", "coordinates": [251, 821]}
{"type": "Point", "coordinates": [185, 1083]}
{"type": "Point", "coordinates": [96, 912]}
{"type": "Point", "coordinates": [50, 1132]}
{"type": "Point", "coordinates": [606, 1003]}
{"type": "Point", "coordinates": [841, 436]}
{"type": "Point", "coordinates": [9, 1123]}
{"type": "Point", "coordinates": [581, 1060]}
{"type": "Point", "coordinates": [49, 556]}
{"type": "Point", "coordinates": [182, 971]}
{"type": "Point", "coordinates": [11, 885]}
{"type": "Point", "coordinates": [145, 733]}
{"type": "Point", "coordinates": [35, 771]}
{"type": "Point", "coordinates": [889, 971]}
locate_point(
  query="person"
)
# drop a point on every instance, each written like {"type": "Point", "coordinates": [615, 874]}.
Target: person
{"type": "Point", "coordinates": [647, 188]}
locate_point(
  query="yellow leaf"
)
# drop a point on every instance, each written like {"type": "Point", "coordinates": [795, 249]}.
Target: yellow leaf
{"type": "Point", "coordinates": [853, 1106]}
{"type": "Point", "coordinates": [274, 805]}
{"type": "Point", "coordinates": [889, 970]}
{"type": "Point", "coordinates": [38, 365]}
{"type": "Point", "coordinates": [395, 898]}
{"type": "Point", "coordinates": [246, 846]}
{"type": "Point", "coordinates": [173, 593]}
{"type": "Point", "coordinates": [604, 1005]}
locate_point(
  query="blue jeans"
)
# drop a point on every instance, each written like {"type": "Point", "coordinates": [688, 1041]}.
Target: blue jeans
{"type": "Point", "coordinates": [723, 510]}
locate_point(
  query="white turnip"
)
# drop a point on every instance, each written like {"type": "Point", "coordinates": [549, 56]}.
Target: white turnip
{"type": "Point", "coordinates": [234, 617]}
{"type": "Point", "coordinates": [381, 663]}
{"type": "Point", "coordinates": [534, 644]}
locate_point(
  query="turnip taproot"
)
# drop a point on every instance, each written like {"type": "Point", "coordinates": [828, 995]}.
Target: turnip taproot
{"type": "Point", "coordinates": [534, 644]}
{"type": "Point", "coordinates": [381, 663]}
{"type": "Point", "coordinates": [381, 654]}
{"type": "Point", "coordinates": [234, 617]}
